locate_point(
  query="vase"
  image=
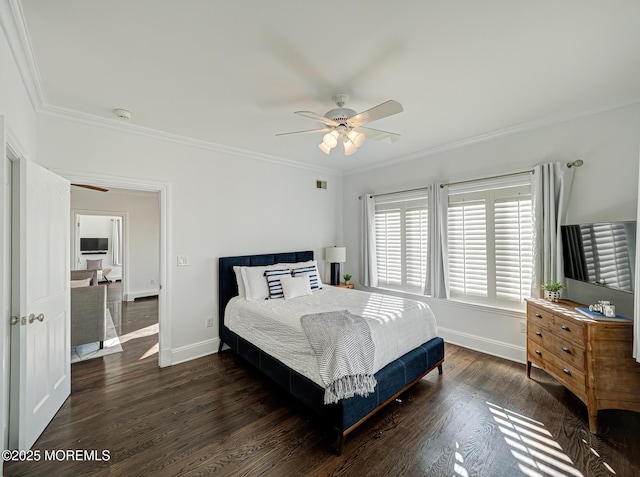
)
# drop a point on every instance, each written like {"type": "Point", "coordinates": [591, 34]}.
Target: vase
{"type": "Point", "coordinates": [553, 296]}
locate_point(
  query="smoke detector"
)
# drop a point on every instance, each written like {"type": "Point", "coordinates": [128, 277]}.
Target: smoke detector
{"type": "Point", "coordinates": [122, 113]}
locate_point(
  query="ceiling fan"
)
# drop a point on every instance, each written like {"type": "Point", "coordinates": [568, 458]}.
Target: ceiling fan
{"type": "Point", "coordinates": [344, 125]}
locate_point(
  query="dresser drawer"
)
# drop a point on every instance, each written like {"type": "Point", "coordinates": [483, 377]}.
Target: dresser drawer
{"type": "Point", "coordinates": [569, 375]}
{"type": "Point", "coordinates": [569, 329]}
{"type": "Point", "coordinates": [565, 350]}
{"type": "Point", "coordinates": [539, 316]}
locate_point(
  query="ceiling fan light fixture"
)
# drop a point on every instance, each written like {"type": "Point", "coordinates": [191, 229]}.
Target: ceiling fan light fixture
{"type": "Point", "coordinates": [324, 148]}
{"type": "Point", "coordinates": [356, 137]}
{"type": "Point", "coordinates": [349, 148]}
{"type": "Point", "coordinates": [330, 139]}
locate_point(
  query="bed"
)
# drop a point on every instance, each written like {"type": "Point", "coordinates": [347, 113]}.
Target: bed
{"type": "Point", "coordinates": [392, 378]}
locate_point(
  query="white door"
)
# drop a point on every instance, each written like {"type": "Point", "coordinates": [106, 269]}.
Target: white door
{"type": "Point", "coordinates": [40, 341]}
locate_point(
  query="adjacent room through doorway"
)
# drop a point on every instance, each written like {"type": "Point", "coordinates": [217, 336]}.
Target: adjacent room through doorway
{"type": "Point", "coordinates": [117, 233]}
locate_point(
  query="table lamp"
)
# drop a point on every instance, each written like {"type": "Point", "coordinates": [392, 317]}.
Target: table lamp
{"type": "Point", "coordinates": [335, 256]}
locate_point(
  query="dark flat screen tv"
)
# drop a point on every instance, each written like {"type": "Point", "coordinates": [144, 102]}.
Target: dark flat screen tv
{"type": "Point", "coordinates": [94, 244]}
{"type": "Point", "coordinates": [601, 253]}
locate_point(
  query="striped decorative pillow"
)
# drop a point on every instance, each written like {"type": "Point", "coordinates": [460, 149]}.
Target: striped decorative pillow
{"type": "Point", "coordinates": [273, 281]}
{"type": "Point", "coordinates": [310, 269]}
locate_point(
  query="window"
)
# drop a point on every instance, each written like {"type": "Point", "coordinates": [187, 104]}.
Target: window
{"type": "Point", "coordinates": [401, 229]}
{"type": "Point", "coordinates": [490, 244]}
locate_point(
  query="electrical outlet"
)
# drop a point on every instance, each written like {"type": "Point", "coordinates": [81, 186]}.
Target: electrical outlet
{"type": "Point", "coordinates": [523, 328]}
{"type": "Point", "coordinates": [210, 322]}
{"type": "Point", "coordinates": [183, 260]}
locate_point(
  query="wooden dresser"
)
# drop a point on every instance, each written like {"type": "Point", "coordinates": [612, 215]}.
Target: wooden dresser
{"type": "Point", "coordinates": [593, 359]}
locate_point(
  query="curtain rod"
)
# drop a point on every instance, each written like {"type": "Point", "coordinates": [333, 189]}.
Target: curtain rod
{"type": "Point", "coordinates": [576, 163]}
{"type": "Point", "coordinates": [398, 192]}
{"type": "Point", "coordinates": [490, 177]}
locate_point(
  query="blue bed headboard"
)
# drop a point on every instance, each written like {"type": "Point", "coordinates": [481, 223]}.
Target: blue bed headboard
{"type": "Point", "coordinates": [227, 286]}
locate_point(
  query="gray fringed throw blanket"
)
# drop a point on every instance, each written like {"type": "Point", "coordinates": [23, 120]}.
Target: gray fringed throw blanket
{"type": "Point", "coordinates": [342, 343]}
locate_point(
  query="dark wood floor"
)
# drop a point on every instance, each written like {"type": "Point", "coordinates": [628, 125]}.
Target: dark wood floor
{"type": "Point", "coordinates": [216, 416]}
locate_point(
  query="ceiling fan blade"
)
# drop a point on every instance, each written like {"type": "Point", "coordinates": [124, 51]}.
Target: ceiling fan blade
{"type": "Point", "coordinates": [378, 134]}
{"type": "Point", "coordinates": [388, 108]}
{"type": "Point", "coordinates": [306, 131]}
{"type": "Point", "coordinates": [317, 117]}
{"type": "Point", "coordinates": [87, 186]}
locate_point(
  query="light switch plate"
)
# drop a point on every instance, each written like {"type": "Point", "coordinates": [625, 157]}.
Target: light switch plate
{"type": "Point", "coordinates": [183, 260]}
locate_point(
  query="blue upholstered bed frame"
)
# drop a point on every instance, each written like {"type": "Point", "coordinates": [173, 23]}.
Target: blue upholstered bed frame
{"type": "Point", "coordinates": [346, 415]}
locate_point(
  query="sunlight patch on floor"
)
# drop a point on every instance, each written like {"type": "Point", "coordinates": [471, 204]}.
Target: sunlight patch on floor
{"type": "Point", "coordinates": [458, 466]}
{"type": "Point", "coordinates": [141, 333]}
{"type": "Point", "coordinates": [150, 352]}
{"type": "Point", "coordinates": [534, 448]}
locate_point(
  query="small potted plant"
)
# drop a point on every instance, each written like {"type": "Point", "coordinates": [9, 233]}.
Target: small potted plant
{"type": "Point", "coordinates": [346, 277]}
{"type": "Point", "coordinates": [552, 290]}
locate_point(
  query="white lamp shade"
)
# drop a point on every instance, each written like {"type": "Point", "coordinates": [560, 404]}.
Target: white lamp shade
{"type": "Point", "coordinates": [356, 137]}
{"type": "Point", "coordinates": [324, 148]}
{"type": "Point", "coordinates": [335, 254]}
{"type": "Point", "coordinates": [330, 140]}
{"type": "Point", "coordinates": [349, 148]}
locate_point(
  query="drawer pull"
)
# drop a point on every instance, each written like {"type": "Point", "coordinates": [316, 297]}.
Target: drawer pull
{"type": "Point", "coordinates": [566, 371]}
{"type": "Point", "coordinates": [565, 328]}
{"type": "Point", "coordinates": [566, 350]}
{"type": "Point", "coordinates": [539, 334]}
{"type": "Point", "coordinates": [538, 352]}
{"type": "Point", "coordinates": [538, 315]}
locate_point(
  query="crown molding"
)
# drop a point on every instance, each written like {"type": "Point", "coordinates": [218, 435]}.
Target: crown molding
{"type": "Point", "coordinates": [497, 134]}
{"type": "Point", "coordinates": [15, 29]}
{"type": "Point", "coordinates": [92, 120]}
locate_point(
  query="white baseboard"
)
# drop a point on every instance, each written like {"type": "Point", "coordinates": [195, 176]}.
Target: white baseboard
{"type": "Point", "coordinates": [484, 345]}
{"type": "Point", "coordinates": [141, 294]}
{"type": "Point", "coordinates": [197, 350]}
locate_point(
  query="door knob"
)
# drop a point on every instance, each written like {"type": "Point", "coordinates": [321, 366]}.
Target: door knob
{"type": "Point", "coordinates": [15, 320]}
{"type": "Point", "coordinates": [33, 318]}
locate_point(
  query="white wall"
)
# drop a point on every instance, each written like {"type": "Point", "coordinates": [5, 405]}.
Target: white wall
{"type": "Point", "coordinates": [220, 205]}
{"type": "Point", "coordinates": [605, 188]}
{"type": "Point", "coordinates": [141, 233]}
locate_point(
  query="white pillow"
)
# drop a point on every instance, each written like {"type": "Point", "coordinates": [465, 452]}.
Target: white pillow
{"type": "Point", "coordinates": [256, 287]}
{"type": "Point", "coordinates": [85, 282]}
{"type": "Point", "coordinates": [294, 287]}
{"type": "Point", "coordinates": [242, 293]}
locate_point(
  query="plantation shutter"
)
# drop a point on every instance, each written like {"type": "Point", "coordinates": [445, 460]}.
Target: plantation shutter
{"type": "Point", "coordinates": [514, 247]}
{"type": "Point", "coordinates": [490, 243]}
{"type": "Point", "coordinates": [467, 247]}
{"type": "Point", "coordinates": [388, 246]}
{"type": "Point", "coordinates": [417, 231]}
{"type": "Point", "coordinates": [401, 223]}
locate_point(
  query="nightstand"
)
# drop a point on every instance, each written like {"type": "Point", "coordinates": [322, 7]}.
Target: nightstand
{"type": "Point", "coordinates": [345, 285]}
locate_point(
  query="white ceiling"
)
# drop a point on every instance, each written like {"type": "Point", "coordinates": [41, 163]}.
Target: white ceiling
{"type": "Point", "coordinates": [229, 74]}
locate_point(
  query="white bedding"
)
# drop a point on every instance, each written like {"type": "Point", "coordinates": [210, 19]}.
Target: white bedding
{"type": "Point", "coordinates": [397, 325]}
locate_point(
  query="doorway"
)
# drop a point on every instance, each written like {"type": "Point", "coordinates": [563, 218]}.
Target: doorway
{"type": "Point", "coordinates": [138, 289]}
{"type": "Point", "coordinates": [117, 232]}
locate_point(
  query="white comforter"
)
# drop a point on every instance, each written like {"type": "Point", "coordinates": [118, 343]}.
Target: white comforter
{"type": "Point", "coordinates": [397, 325]}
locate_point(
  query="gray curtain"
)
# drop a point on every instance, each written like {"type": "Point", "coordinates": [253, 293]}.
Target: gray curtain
{"type": "Point", "coordinates": [437, 280]}
{"type": "Point", "coordinates": [369, 270]}
{"type": "Point", "coordinates": [550, 190]}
